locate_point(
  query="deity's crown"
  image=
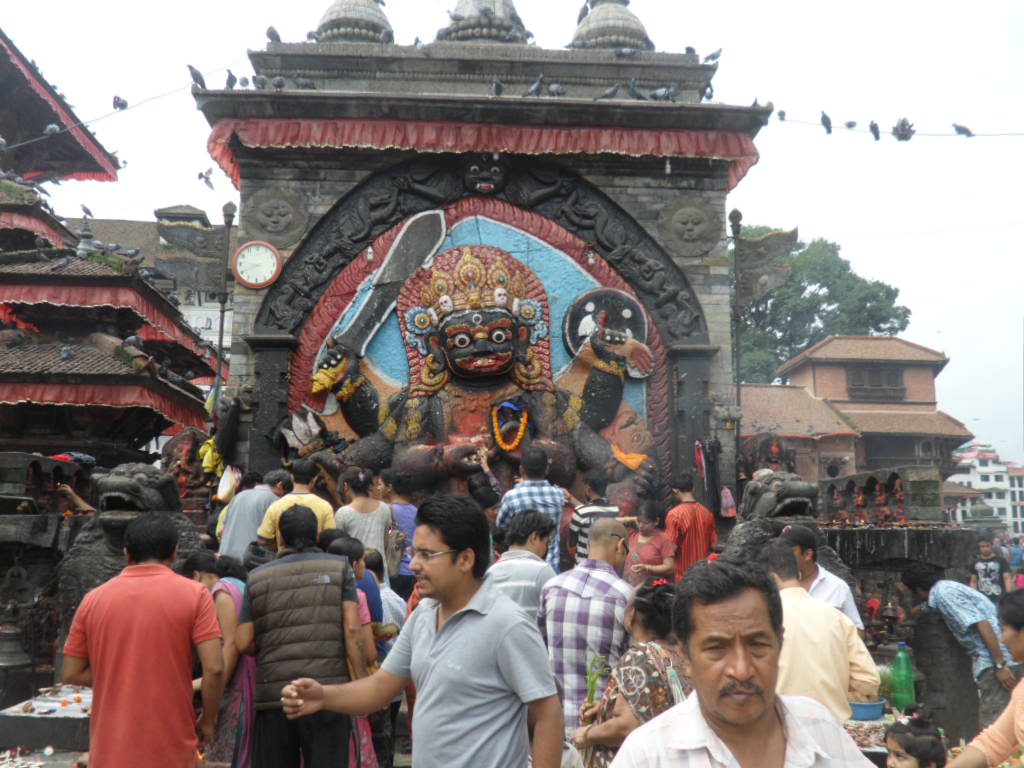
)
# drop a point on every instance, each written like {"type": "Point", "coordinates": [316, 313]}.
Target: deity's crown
{"type": "Point", "coordinates": [478, 278]}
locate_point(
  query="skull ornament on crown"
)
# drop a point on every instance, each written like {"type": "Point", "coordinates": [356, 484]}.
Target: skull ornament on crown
{"type": "Point", "coordinates": [476, 313]}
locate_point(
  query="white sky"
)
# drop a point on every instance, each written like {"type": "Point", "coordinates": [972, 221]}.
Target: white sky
{"type": "Point", "coordinates": [938, 217]}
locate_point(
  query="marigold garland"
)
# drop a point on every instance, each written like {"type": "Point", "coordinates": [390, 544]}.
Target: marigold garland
{"type": "Point", "coordinates": [497, 430]}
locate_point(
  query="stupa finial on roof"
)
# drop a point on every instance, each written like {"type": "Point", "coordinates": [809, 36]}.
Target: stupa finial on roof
{"type": "Point", "coordinates": [355, 21]}
{"type": "Point", "coordinates": [610, 24]}
{"type": "Point", "coordinates": [485, 21]}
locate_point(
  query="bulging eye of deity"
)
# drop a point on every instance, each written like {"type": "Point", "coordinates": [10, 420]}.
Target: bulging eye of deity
{"type": "Point", "coordinates": [461, 340]}
{"type": "Point", "coordinates": [499, 335]}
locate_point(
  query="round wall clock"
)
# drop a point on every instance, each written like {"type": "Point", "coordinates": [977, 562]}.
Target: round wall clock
{"type": "Point", "coordinates": [256, 264]}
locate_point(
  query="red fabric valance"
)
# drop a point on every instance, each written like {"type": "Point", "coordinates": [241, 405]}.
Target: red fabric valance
{"type": "Point", "coordinates": [108, 171]}
{"type": "Point", "coordinates": [734, 147]}
{"type": "Point", "coordinates": [106, 395]}
{"type": "Point", "coordinates": [101, 296]}
{"type": "Point", "coordinates": [13, 220]}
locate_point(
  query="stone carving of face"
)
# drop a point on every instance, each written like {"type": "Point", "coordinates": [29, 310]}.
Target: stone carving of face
{"type": "Point", "coordinates": [479, 343]}
{"type": "Point", "coordinates": [275, 216]}
{"type": "Point", "coordinates": [486, 174]}
{"type": "Point", "coordinates": [690, 225]}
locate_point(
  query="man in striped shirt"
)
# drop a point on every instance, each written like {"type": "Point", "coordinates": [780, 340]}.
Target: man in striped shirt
{"type": "Point", "coordinates": [522, 571]}
{"type": "Point", "coordinates": [690, 525]}
{"type": "Point", "coordinates": [595, 484]}
{"type": "Point", "coordinates": [534, 492]}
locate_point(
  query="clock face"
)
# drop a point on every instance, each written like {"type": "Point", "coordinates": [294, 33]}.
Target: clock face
{"type": "Point", "coordinates": [256, 264]}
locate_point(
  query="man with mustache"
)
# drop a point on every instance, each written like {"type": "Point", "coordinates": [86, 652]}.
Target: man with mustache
{"type": "Point", "coordinates": [728, 617]}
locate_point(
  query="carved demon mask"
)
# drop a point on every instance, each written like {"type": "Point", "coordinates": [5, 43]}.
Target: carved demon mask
{"type": "Point", "coordinates": [485, 174]}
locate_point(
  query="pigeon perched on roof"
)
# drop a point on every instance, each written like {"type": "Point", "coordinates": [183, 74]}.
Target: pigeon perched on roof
{"type": "Point", "coordinates": [278, 83]}
{"type": "Point", "coordinates": [313, 37]}
{"type": "Point", "coordinates": [963, 130]}
{"type": "Point", "coordinates": [456, 16]}
{"type": "Point", "coordinates": [67, 352]}
{"type": "Point", "coordinates": [690, 50]}
{"type": "Point", "coordinates": [303, 83]}
{"type": "Point", "coordinates": [611, 93]}
{"type": "Point", "coordinates": [232, 81]}
{"type": "Point", "coordinates": [197, 77]}
{"type": "Point", "coordinates": [625, 53]}
{"type": "Point", "coordinates": [537, 88]}
{"type": "Point", "coordinates": [120, 104]}
{"type": "Point", "coordinates": [669, 93]}
{"type": "Point", "coordinates": [259, 82]}
{"type": "Point", "coordinates": [584, 12]}
{"type": "Point", "coordinates": [875, 130]}
{"type": "Point", "coordinates": [244, 82]}
{"type": "Point", "coordinates": [713, 56]}
{"type": "Point", "coordinates": [634, 90]}
{"type": "Point", "coordinates": [556, 89]}
{"type": "Point", "coordinates": [497, 87]}
{"type": "Point", "coordinates": [87, 212]}
{"type": "Point", "coordinates": [826, 122]}
{"type": "Point", "coordinates": [273, 35]}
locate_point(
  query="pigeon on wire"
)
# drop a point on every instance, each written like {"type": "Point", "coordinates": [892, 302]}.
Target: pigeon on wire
{"type": "Point", "coordinates": [712, 57]}
{"type": "Point", "coordinates": [826, 122]}
{"type": "Point", "coordinates": [497, 87]}
{"type": "Point", "coordinates": [51, 129]}
{"type": "Point", "coordinates": [963, 130]}
{"type": "Point", "coordinates": [850, 124]}
{"type": "Point", "coordinates": [303, 83]}
{"type": "Point", "coordinates": [634, 90]}
{"type": "Point", "coordinates": [611, 93]}
{"type": "Point", "coordinates": [259, 82]}
{"type": "Point", "coordinates": [120, 104]}
{"type": "Point", "coordinates": [537, 88]}
{"type": "Point", "coordinates": [875, 130]}
{"type": "Point", "coordinates": [782, 115]}
{"type": "Point", "coordinates": [556, 89]}
{"type": "Point", "coordinates": [273, 35]}
{"type": "Point", "coordinates": [903, 130]}
{"type": "Point", "coordinates": [205, 177]}
{"type": "Point", "coordinates": [232, 81]}
{"type": "Point", "coordinates": [197, 77]}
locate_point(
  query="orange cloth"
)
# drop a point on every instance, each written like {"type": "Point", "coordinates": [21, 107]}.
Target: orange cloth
{"type": "Point", "coordinates": [999, 740]}
{"type": "Point", "coordinates": [632, 460]}
{"type": "Point", "coordinates": [691, 527]}
{"type": "Point", "coordinates": [137, 632]}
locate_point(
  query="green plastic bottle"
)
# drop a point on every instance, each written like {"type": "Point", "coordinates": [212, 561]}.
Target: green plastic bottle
{"type": "Point", "coordinates": [902, 680]}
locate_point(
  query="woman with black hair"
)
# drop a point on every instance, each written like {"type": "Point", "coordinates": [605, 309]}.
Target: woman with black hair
{"type": "Point", "coordinates": [363, 517]}
{"type": "Point", "coordinates": [649, 679]}
{"type": "Point", "coordinates": [996, 743]}
{"type": "Point", "coordinates": [225, 577]}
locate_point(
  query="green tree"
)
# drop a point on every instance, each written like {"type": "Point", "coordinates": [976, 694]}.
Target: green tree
{"type": "Point", "coordinates": [823, 297]}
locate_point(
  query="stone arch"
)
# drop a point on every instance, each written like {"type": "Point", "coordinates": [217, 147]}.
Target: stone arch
{"type": "Point", "coordinates": [380, 203]}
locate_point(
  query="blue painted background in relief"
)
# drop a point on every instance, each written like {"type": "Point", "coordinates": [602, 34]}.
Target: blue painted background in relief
{"type": "Point", "coordinates": [563, 279]}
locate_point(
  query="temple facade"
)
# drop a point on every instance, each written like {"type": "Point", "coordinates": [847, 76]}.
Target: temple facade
{"type": "Point", "coordinates": [479, 243]}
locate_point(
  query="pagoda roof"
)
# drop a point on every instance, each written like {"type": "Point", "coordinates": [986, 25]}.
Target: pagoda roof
{"type": "Point", "coordinates": [925, 423]}
{"type": "Point", "coordinates": [790, 412]}
{"type": "Point", "coordinates": [32, 103]}
{"type": "Point", "coordinates": [865, 349]}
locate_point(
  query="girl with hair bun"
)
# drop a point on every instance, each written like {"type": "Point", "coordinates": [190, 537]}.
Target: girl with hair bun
{"type": "Point", "coordinates": [913, 741]}
{"type": "Point", "coordinates": [363, 517]}
{"type": "Point", "coordinates": [649, 679]}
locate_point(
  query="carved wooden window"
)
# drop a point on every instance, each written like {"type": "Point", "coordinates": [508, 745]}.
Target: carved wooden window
{"type": "Point", "coordinates": [875, 382]}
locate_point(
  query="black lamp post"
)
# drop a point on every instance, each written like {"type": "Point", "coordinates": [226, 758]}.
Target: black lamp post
{"type": "Point", "coordinates": [229, 210]}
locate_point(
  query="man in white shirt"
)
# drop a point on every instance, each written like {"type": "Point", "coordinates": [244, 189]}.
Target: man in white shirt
{"type": "Point", "coordinates": [822, 657]}
{"type": "Point", "coordinates": [820, 583]}
{"type": "Point", "coordinates": [728, 616]}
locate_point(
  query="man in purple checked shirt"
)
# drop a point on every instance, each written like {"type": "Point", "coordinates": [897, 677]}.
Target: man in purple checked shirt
{"type": "Point", "coordinates": [582, 613]}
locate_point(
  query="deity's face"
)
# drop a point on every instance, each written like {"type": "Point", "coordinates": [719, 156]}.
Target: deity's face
{"type": "Point", "coordinates": [486, 174]}
{"type": "Point", "coordinates": [479, 343]}
{"type": "Point", "coordinates": [689, 225]}
{"type": "Point", "coordinates": [275, 216]}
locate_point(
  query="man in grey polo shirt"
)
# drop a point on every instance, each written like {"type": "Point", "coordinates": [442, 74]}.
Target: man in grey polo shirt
{"type": "Point", "coordinates": [479, 664]}
{"type": "Point", "coordinates": [246, 511]}
{"type": "Point", "coordinates": [522, 571]}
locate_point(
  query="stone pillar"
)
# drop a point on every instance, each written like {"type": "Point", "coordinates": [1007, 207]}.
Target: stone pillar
{"type": "Point", "coordinates": [948, 689]}
{"type": "Point", "coordinates": [271, 354]}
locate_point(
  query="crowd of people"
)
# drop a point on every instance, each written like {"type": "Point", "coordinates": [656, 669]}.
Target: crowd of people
{"type": "Point", "coordinates": [544, 631]}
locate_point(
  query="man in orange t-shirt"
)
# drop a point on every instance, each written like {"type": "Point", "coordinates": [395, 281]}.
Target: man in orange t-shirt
{"type": "Point", "coordinates": [690, 525]}
{"type": "Point", "coordinates": [132, 640]}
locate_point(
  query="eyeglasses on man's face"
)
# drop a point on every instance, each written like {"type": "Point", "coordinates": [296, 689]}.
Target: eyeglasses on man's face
{"type": "Point", "coordinates": [428, 554]}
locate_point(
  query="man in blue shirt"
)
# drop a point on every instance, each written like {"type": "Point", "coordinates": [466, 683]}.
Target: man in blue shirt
{"type": "Point", "coordinates": [972, 619]}
{"type": "Point", "coordinates": [535, 492]}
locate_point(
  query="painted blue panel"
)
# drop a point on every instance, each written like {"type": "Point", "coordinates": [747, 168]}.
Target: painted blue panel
{"type": "Point", "coordinates": [562, 277]}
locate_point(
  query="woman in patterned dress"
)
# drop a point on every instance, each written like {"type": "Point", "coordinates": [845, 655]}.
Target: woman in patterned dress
{"type": "Point", "coordinates": [649, 679]}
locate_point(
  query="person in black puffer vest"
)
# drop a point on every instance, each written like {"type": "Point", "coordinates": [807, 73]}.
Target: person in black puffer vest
{"type": "Point", "coordinates": [300, 617]}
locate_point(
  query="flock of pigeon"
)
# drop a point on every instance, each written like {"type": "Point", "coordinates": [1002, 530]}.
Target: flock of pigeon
{"type": "Point", "coordinates": [903, 130]}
